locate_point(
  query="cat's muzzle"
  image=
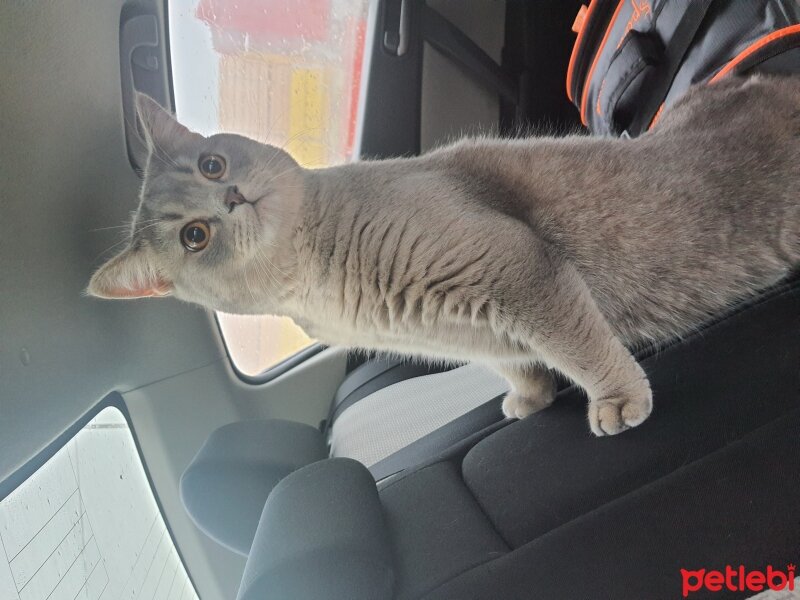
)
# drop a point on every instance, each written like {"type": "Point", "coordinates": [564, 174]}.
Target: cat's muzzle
{"type": "Point", "coordinates": [233, 198]}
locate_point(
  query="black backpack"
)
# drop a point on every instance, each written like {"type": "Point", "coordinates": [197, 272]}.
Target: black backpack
{"type": "Point", "coordinates": [633, 58]}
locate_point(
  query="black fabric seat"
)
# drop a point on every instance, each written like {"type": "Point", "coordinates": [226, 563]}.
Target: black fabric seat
{"type": "Point", "coordinates": [736, 506]}
{"type": "Point", "coordinates": [541, 509]}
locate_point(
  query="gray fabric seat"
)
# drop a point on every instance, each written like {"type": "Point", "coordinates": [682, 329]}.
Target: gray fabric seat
{"type": "Point", "coordinates": [397, 415]}
{"type": "Point", "coordinates": [225, 486]}
{"type": "Point", "coordinates": [372, 375]}
{"type": "Point", "coordinates": [322, 535]}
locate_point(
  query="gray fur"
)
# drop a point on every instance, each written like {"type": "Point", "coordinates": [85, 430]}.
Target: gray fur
{"type": "Point", "coordinates": [521, 254]}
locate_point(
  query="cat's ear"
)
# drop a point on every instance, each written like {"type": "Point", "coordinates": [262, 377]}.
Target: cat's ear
{"type": "Point", "coordinates": [130, 274]}
{"type": "Point", "coordinates": [162, 131]}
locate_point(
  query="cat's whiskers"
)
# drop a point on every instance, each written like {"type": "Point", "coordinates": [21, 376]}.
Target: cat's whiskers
{"type": "Point", "coordinates": [287, 142]}
{"type": "Point", "coordinates": [272, 158]}
{"type": "Point", "coordinates": [238, 246]}
{"type": "Point", "coordinates": [265, 265]}
{"type": "Point", "coordinates": [249, 289]}
{"type": "Point", "coordinates": [148, 226]}
{"type": "Point", "coordinates": [166, 158]}
{"type": "Point", "coordinates": [281, 174]}
{"type": "Point", "coordinates": [276, 267]}
{"type": "Point", "coordinates": [256, 252]}
{"type": "Point", "coordinates": [292, 187]}
{"type": "Point", "coordinates": [123, 226]}
{"type": "Point", "coordinates": [299, 134]}
{"type": "Point", "coordinates": [264, 270]}
{"type": "Point", "coordinates": [162, 154]}
{"type": "Point", "coordinates": [111, 247]}
{"type": "Point", "coordinates": [285, 114]}
{"type": "Point", "coordinates": [127, 239]}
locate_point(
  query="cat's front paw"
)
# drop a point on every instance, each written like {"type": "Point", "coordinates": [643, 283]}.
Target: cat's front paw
{"type": "Point", "coordinates": [610, 416]}
{"type": "Point", "coordinates": [517, 406]}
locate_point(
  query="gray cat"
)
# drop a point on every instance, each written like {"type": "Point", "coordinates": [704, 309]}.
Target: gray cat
{"type": "Point", "coordinates": [523, 254]}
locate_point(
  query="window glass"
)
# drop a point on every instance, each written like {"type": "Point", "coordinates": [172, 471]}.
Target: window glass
{"type": "Point", "coordinates": [86, 526]}
{"type": "Point", "coordinates": [284, 72]}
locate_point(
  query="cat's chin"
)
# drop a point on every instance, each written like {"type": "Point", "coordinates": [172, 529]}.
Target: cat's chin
{"type": "Point", "coordinates": [268, 223]}
{"type": "Point", "coordinates": [255, 300]}
{"type": "Point", "coordinates": [231, 308]}
{"type": "Point", "coordinates": [273, 208]}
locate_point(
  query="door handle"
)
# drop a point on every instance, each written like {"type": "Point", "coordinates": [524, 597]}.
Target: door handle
{"type": "Point", "coordinates": [143, 68]}
{"type": "Point", "coordinates": [396, 24]}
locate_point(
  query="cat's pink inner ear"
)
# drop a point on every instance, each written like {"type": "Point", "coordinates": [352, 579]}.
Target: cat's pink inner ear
{"type": "Point", "coordinates": [152, 289]}
{"type": "Point", "coordinates": [129, 275]}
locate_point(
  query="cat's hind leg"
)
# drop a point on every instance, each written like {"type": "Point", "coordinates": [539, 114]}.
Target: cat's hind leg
{"type": "Point", "coordinates": [532, 388]}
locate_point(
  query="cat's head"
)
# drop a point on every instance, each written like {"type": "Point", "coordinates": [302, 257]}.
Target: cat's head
{"type": "Point", "coordinates": [214, 220]}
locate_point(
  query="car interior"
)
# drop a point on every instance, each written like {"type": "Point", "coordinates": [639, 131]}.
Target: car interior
{"type": "Point", "coordinates": [336, 473]}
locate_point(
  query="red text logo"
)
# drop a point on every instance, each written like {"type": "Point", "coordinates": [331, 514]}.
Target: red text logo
{"type": "Point", "coordinates": [737, 580]}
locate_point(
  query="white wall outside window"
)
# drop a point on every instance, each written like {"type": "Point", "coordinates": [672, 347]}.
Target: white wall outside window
{"type": "Point", "coordinates": [86, 526]}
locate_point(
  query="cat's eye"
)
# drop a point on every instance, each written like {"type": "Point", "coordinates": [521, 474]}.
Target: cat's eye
{"type": "Point", "coordinates": [195, 235]}
{"type": "Point", "coordinates": [211, 166]}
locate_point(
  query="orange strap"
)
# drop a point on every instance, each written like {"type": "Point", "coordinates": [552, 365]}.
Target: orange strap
{"type": "Point", "coordinates": [760, 43]}
{"type": "Point", "coordinates": [656, 117]}
{"type": "Point", "coordinates": [731, 65]}
{"type": "Point", "coordinates": [580, 19]}
{"type": "Point", "coordinates": [573, 58]}
{"type": "Point", "coordinates": [597, 54]}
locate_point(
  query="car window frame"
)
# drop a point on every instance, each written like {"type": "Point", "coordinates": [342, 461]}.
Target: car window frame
{"type": "Point", "coordinates": [273, 372]}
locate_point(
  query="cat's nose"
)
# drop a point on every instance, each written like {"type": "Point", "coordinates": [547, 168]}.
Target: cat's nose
{"type": "Point", "coordinates": [233, 198]}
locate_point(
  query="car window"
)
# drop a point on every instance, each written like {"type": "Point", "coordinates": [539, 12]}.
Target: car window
{"type": "Point", "coordinates": [85, 525]}
{"type": "Point", "coordinates": [284, 73]}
